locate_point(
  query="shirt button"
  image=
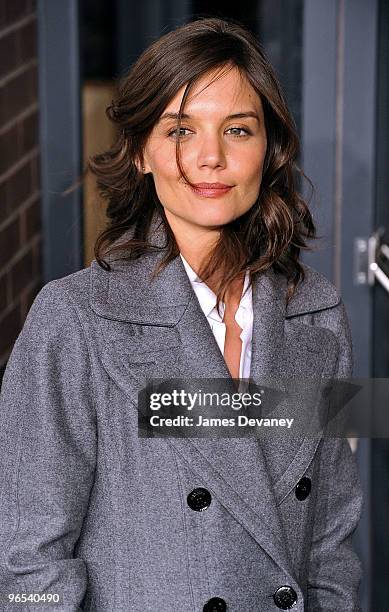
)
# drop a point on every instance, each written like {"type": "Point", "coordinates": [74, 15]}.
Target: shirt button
{"type": "Point", "coordinates": [303, 488]}
{"type": "Point", "coordinates": [199, 499]}
{"type": "Point", "coordinates": [285, 597]}
{"type": "Point", "coordinates": [216, 604]}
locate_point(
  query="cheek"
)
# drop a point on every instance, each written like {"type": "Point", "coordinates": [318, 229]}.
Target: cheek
{"type": "Point", "coordinates": [162, 161]}
{"type": "Point", "coordinates": [164, 169]}
{"type": "Point", "coordinates": [250, 173]}
{"type": "Point", "coordinates": [249, 162]}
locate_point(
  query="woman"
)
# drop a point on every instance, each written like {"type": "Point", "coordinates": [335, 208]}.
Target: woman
{"type": "Point", "coordinates": [113, 521]}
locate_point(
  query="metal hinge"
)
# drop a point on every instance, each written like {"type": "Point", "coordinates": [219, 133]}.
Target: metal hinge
{"type": "Point", "coordinates": [371, 260]}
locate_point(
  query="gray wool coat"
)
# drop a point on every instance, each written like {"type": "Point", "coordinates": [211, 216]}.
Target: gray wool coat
{"type": "Point", "coordinates": [94, 513]}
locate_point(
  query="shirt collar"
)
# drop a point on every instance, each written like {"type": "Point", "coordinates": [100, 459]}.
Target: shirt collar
{"type": "Point", "coordinates": [207, 297]}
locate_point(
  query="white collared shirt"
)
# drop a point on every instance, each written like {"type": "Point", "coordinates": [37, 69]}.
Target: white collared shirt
{"type": "Point", "coordinates": [243, 316]}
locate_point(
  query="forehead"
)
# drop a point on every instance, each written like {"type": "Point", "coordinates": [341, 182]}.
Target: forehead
{"type": "Point", "coordinates": [222, 90]}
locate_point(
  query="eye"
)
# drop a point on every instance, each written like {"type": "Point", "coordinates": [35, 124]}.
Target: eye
{"type": "Point", "coordinates": [178, 132]}
{"type": "Point", "coordinates": [246, 131]}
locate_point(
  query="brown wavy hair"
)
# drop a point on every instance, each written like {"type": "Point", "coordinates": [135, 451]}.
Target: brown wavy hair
{"type": "Point", "coordinates": [275, 229]}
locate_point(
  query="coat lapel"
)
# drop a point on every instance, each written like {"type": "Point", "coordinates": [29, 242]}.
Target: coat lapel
{"type": "Point", "coordinates": [170, 338]}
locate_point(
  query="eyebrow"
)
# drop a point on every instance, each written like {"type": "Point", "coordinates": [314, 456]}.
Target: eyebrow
{"type": "Point", "coordinates": [241, 115]}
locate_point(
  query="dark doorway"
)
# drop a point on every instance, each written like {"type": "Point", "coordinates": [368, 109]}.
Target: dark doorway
{"type": "Point", "coordinates": [380, 448]}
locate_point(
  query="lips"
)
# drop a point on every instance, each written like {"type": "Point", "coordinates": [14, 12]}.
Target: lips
{"type": "Point", "coordinates": [211, 190]}
{"type": "Point", "coordinates": [211, 186]}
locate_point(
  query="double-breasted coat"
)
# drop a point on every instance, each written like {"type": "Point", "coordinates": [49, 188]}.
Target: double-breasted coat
{"type": "Point", "coordinates": [110, 521]}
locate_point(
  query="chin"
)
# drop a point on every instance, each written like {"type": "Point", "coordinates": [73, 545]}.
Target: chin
{"type": "Point", "coordinates": [214, 220]}
{"type": "Point", "coordinates": [209, 216]}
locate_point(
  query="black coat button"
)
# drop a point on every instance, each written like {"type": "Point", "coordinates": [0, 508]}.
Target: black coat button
{"type": "Point", "coordinates": [216, 604]}
{"type": "Point", "coordinates": [303, 488]}
{"type": "Point", "coordinates": [285, 597]}
{"type": "Point", "coordinates": [199, 499]}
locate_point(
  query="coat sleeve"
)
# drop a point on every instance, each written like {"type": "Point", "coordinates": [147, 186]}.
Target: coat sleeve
{"type": "Point", "coordinates": [335, 570]}
{"type": "Point", "coordinates": [47, 455]}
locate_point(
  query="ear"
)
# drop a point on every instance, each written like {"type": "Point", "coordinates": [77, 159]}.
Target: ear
{"type": "Point", "coordinates": [146, 164]}
{"type": "Point", "coordinates": [138, 165]}
{"type": "Point", "coordinates": [142, 166]}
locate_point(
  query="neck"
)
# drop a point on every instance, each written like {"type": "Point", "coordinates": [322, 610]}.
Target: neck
{"type": "Point", "coordinates": [195, 244]}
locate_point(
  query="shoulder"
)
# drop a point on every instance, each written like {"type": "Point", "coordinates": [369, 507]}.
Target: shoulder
{"type": "Point", "coordinates": [313, 294]}
{"type": "Point", "coordinates": [57, 295]}
{"type": "Point", "coordinates": [318, 302]}
{"type": "Point", "coordinates": [56, 311]}
{"type": "Point", "coordinates": [53, 337]}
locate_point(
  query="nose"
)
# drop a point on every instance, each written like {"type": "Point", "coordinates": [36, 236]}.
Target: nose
{"type": "Point", "coordinates": [211, 152]}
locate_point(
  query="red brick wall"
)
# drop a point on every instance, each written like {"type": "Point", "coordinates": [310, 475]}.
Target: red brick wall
{"type": "Point", "coordinates": [20, 224]}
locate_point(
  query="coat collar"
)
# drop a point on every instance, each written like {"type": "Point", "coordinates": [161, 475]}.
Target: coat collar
{"type": "Point", "coordinates": [127, 293]}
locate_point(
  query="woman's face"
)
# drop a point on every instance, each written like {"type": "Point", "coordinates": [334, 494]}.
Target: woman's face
{"type": "Point", "coordinates": [215, 148]}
